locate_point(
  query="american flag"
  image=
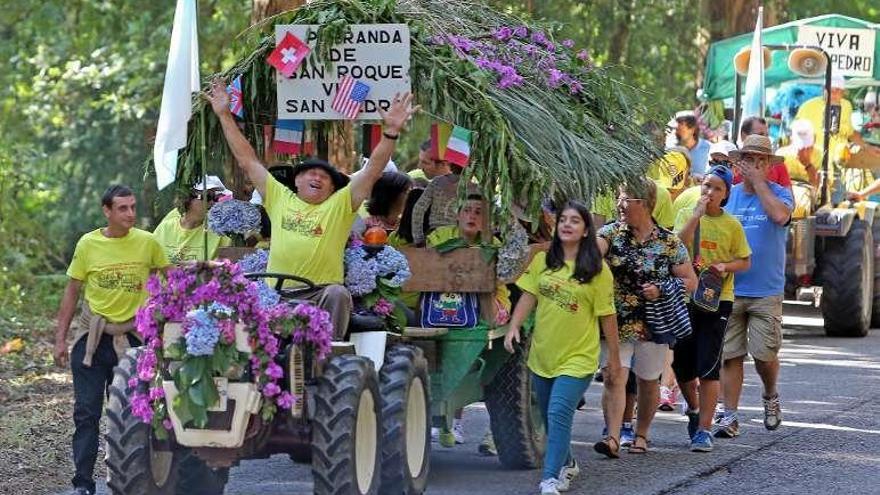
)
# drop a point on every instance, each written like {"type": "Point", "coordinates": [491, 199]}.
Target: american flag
{"type": "Point", "coordinates": [350, 95]}
{"type": "Point", "coordinates": [235, 104]}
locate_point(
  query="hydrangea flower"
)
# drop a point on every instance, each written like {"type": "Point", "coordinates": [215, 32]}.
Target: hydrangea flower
{"type": "Point", "coordinates": [268, 296]}
{"type": "Point", "coordinates": [233, 217]}
{"type": "Point", "coordinates": [383, 307]}
{"type": "Point", "coordinates": [360, 273]}
{"type": "Point", "coordinates": [391, 262]}
{"type": "Point", "coordinates": [255, 262]}
{"type": "Point", "coordinates": [202, 333]}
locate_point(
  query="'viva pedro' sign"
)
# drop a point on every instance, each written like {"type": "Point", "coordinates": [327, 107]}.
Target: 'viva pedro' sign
{"type": "Point", "coordinates": [374, 54]}
{"type": "Point", "coordinates": [851, 50]}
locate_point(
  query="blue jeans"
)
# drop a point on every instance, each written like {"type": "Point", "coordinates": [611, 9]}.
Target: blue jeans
{"type": "Point", "coordinates": [558, 397]}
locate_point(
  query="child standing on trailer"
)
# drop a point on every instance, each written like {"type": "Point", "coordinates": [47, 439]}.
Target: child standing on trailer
{"type": "Point", "coordinates": [573, 292]}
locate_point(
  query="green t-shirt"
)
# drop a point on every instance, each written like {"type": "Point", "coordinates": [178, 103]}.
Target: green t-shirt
{"type": "Point", "coordinates": [114, 271]}
{"type": "Point", "coordinates": [566, 337]}
{"type": "Point", "coordinates": [722, 239]}
{"type": "Point", "coordinates": [182, 244]}
{"type": "Point", "coordinates": [308, 240]}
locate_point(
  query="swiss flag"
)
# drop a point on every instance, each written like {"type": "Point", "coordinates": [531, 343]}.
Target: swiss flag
{"type": "Point", "coordinates": [288, 54]}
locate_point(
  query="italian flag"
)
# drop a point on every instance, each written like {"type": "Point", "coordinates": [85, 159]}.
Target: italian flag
{"type": "Point", "coordinates": [458, 149]}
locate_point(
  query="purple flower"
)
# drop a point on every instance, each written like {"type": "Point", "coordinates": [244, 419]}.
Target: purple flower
{"type": "Point", "coordinates": [233, 217]}
{"type": "Point", "coordinates": [146, 365]}
{"type": "Point", "coordinates": [167, 424]}
{"type": "Point", "coordinates": [156, 393]}
{"type": "Point", "coordinates": [539, 37]}
{"type": "Point", "coordinates": [521, 32]}
{"type": "Point", "coordinates": [255, 262]}
{"type": "Point", "coordinates": [383, 307]}
{"type": "Point", "coordinates": [583, 55]}
{"type": "Point", "coordinates": [274, 371]}
{"type": "Point", "coordinates": [568, 43]}
{"type": "Point", "coordinates": [285, 400]}
{"type": "Point", "coordinates": [575, 88]}
{"type": "Point", "coordinates": [141, 407]}
{"type": "Point", "coordinates": [555, 78]}
{"type": "Point", "coordinates": [502, 34]}
{"type": "Point", "coordinates": [133, 382]}
{"type": "Point", "coordinates": [271, 389]}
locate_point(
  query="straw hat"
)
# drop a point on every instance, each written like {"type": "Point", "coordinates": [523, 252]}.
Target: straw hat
{"type": "Point", "coordinates": [756, 144]}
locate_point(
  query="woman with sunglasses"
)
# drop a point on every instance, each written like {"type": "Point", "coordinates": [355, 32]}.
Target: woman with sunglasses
{"type": "Point", "coordinates": [642, 256]}
{"type": "Point", "coordinates": [571, 289]}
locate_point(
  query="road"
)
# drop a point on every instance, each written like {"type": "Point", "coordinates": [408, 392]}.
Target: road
{"type": "Point", "coordinates": [830, 392]}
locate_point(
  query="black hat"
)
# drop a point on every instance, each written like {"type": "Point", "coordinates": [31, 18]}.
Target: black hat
{"type": "Point", "coordinates": [339, 179]}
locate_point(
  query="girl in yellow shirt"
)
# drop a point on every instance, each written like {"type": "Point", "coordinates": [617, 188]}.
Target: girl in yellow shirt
{"type": "Point", "coordinates": [572, 291]}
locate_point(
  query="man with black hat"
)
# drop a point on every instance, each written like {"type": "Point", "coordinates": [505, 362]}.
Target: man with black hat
{"type": "Point", "coordinates": [310, 226]}
{"type": "Point", "coordinates": [755, 325]}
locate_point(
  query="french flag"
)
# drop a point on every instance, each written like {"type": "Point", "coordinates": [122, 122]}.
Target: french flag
{"type": "Point", "coordinates": [290, 137]}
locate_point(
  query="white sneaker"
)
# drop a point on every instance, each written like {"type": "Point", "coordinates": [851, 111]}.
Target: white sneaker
{"type": "Point", "coordinates": [435, 434]}
{"type": "Point", "coordinates": [458, 431]}
{"type": "Point", "coordinates": [549, 486]}
{"type": "Point", "coordinates": [568, 473]}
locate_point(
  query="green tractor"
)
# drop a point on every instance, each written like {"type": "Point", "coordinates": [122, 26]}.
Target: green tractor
{"type": "Point", "coordinates": [833, 255]}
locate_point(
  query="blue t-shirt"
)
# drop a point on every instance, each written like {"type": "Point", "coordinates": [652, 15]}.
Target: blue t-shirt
{"type": "Point", "coordinates": [700, 157]}
{"type": "Point", "coordinates": [766, 277]}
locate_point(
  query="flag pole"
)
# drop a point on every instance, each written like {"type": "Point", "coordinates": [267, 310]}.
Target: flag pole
{"type": "Point", "coordinates": [204, 184]}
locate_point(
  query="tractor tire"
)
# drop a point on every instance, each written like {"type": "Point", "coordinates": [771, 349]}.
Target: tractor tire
{"type": "Point", "coordinates": [132, 464]}
{"type": "Point", "coordinates": [406, 420]}
{"type": "Point", "coordinates": [848, 282]}
{"type": "Point", "coordinates": [516, 422]}
{"type": "Point", "coordinates": [875, 307]}
{"type": "Point", "coordinates": [347, 428]}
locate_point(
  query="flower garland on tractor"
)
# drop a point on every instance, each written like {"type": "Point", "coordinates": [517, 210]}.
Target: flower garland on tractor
{"type": "Point", "coordinates": [210, 299]}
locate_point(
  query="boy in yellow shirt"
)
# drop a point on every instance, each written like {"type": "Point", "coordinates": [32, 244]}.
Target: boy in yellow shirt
{"type": "Point", "coordinates": [182, 236]}
{"type": "Point", "coordinates": [723, 248]}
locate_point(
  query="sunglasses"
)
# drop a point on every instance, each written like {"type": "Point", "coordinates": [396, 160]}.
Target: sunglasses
{"type": "Point", "coordinates": [209, 195]}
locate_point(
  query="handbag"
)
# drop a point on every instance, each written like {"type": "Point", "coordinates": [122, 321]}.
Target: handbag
{"type": "Point", "coordinates": [449, 309]}
{"type": "Point", "coordinates": [667, 316]}
{"type": "Point", "coordinates": [707, 295]}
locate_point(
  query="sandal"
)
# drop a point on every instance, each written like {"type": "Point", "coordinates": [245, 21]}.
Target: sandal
{"type": "Point", "coordinates": [635, 448]}
{"type": "Point", "coordinates": [604, 447]}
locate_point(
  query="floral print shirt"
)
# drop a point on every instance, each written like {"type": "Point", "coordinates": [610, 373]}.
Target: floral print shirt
{"type": "Point", "coordinates": [634, 263]}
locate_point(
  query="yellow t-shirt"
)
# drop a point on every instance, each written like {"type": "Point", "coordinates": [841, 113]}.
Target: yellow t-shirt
{"type": "Point", "coordinates": [308, 240]}
{"type": "Point", "coordinates": [182, 244]}
{"type": "Point", "coordinates": [417, 173]}
{"type": "Point", "coordinates": [814, 111]}
{"type": "Point", "coordinates": [722, 239]}
{"type": "Point", "coordinates": [115, 270]}
{"type": "Point", "coordinates": [687, 200]}
{"type": "Point", "coordinates": [566, 337]}
{"type": "Point", "coordinates": [447, 232]}
{"type": "Point", "coordinates": [663, 207]}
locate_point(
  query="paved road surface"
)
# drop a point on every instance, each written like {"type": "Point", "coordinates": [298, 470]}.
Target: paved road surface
{"type": "Point", "coordinates": [830, 391]}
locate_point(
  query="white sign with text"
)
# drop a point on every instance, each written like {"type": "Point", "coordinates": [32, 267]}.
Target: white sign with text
{"type": "Point", "coordinates": [374, 54]}
{"type": "Point", "coordinates": [851, 50]}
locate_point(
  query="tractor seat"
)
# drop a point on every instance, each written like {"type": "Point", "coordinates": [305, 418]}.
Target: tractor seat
{"type": "Point", "coordinates": [366, 323]}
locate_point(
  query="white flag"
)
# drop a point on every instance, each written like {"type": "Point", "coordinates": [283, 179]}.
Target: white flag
{"type": "Point", "coordinates": [753, 100]}
{"type": "Point", "coordinates": [181, 81]}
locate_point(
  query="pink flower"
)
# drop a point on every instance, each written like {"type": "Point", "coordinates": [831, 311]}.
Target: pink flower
{"type": "Point", "coordinates": [583, 55]}
{"type": "Point", "coordinates": [285, 400]}
{"type": "Point", "coordinates": [274, 371]}
{"type": "Point", "coordinates": [271, 389]}
{"type": "Point", "coordinates": [383, 307]}
{"type": "Point", "coordinates": [568, 43]}
{"type": "Point", "coordinates": [141, 407]}
{"type": "Point", "coordinates": [156, 393]}
{"type": "Point", "coordinates": [167, 424]}
{"type": "Point", "coordinates": [133, 382]}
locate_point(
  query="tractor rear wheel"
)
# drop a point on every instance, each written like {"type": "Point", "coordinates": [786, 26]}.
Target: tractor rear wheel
{"type": "Point", "coordinates": [848, 282]}
{"type": "Point", "coordinates": [516, 422]}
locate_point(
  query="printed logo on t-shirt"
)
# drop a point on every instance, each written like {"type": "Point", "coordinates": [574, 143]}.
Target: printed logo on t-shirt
{"type": "Point", "coordinates": [126, 277]}
{"type": "Point", "coordinates": [182, 254]}
{"type": "Point", "coordinates": [555, 291]}
{"type": "Point", "coordinates": [705, 244]}
{"type": "Point", "coordinates": [301, 223]}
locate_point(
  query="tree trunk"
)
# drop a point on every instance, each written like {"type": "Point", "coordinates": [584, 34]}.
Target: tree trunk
{"type": "Point", "coordinates": [620, 38]}
{"type": "Point", "coordinates": [267, 8]}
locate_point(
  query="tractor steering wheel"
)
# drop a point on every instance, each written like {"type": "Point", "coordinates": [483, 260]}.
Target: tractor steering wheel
{"type": "Point", "coordinates": [280, 278]}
